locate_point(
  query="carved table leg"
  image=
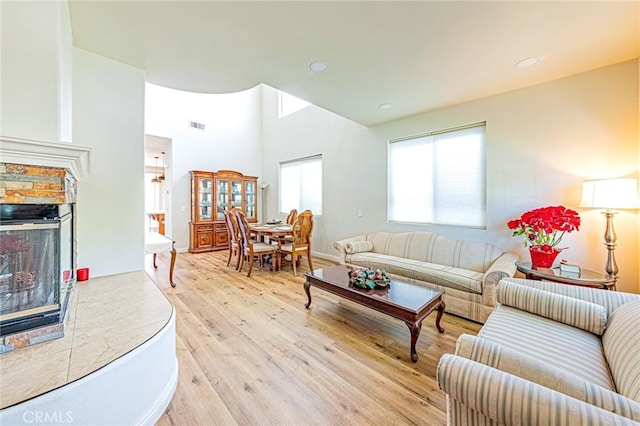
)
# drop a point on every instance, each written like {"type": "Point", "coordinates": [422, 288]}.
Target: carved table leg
{"type": "Point", "coordinates": [440, 309]}
{"type": "Point", "coordinates": [307, 284]}
{"type": "Point", "coordinates": [173, 262]}
{"type": "Point", "coordinates": [414, 328]}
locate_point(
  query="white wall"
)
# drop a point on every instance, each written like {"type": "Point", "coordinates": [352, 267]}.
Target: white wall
{"type": "Point", "coordinates": [108, 115]}
{"type": "Point", "coordinates": [65, 75]}
{"type": "Point", "coordinates": [35, 70]}
{"type": "Point", "coordinates": [542, 142]}
{"type": "Point", "coordinates": [232, 140]}
{"type": "Point", "coordinates": [345, 147]}
{"type": "Point", "coordinates": [40, 70]}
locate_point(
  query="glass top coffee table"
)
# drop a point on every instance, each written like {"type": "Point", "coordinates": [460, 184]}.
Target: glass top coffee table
{"type": "Point", "coordinates": [585, 278]}
{"type": "Point", "coordinates": [402, 299]}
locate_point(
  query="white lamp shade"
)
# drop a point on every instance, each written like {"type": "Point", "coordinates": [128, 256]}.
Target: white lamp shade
{"type": "Point", "coordinates": [610, 194]}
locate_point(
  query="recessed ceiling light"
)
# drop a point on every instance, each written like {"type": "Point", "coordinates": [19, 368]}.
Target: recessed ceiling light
{"type": "Point", "coordinates": [318, 66]}
{"type": "Point", "coordinates": [384, 106]}
{"type": "Point", "coordinates": [528, 62]}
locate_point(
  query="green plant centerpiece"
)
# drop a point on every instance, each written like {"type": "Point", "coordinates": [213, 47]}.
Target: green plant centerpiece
{"type": "Point", "coordinates": [368, 278]}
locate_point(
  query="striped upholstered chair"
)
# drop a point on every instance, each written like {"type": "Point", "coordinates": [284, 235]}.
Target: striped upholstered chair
{"type": "Point", "coordinates": [549, 354]}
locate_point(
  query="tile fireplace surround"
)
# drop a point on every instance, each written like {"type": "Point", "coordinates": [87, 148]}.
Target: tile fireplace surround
{"type": "Point", "coordinates": [39, 172]}
{"type": "Point", "coordinates": [127, 361]}
{"type": "Point", "coordinates": [36, 172]}
{"type": "Point", "coordinates": [24, 184]}
{"type": "Point", "coordinates": [123, 357]}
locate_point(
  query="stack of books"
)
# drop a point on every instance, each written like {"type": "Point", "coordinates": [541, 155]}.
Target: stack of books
{"type": "Point", "coordinates": [569, 270]}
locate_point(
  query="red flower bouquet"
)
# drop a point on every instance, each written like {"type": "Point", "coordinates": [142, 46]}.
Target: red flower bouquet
{"type": "Point", "coordinates": [544, 228]}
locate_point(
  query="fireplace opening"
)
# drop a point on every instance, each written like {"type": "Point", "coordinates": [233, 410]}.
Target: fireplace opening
{"type": "Point", "coordinates": [37, 266]}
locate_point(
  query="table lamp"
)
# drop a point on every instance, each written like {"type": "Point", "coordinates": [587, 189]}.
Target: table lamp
{"type": "Point", "coordinates": [610, 194]}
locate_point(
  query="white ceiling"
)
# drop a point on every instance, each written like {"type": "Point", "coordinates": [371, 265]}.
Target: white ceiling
{"type": "Point", "coordinates": [417, 56]}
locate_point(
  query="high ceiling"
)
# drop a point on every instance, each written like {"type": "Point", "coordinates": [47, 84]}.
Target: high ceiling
{"type": "Point", "coordinates": [416, 56]}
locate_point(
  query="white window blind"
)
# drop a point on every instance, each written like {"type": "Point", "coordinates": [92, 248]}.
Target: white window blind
{"type": "Point", "coordinates": [301, 185]}
{"type": "Point", "coordinates": [439, 178]}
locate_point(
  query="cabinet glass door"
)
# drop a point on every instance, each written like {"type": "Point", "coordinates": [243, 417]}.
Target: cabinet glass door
{"type": "Point", "coordinates": [236, 194]}
{"type": "Point", "coordinates": [223, 199]}
{"type": "Point", "coordinates": [250, 199]}
{"type": "Point", "coordinates": [204, 198]}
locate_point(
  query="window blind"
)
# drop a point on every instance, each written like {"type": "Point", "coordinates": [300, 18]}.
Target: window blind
{"type": "Point", "coordinates": [439, 178]}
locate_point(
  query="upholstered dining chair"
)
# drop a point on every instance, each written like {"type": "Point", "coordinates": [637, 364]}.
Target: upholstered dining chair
{"type": "Point", "coordinates": [233, 232]}
{"type": "Point", "coordinates": [251, 248]}
{"type": "Point", "coordinates": [301, 244]}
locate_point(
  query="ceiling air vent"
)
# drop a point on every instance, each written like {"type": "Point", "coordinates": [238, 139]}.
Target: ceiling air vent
{"type": "Point", "coordinates": [196, 125]}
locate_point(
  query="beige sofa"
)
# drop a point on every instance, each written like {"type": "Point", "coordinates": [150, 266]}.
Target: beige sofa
{"type": "Point", "coordinates": [549, 354]}
{"type": "Point", "coordinates": [468, 271]}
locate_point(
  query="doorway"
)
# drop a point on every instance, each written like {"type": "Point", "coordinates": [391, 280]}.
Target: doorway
{"type": "Point", "coordinates": [157, 184]}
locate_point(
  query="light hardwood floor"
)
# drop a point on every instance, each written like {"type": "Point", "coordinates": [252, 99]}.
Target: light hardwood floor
{"type": "Point", "coordinates": [249, 352]}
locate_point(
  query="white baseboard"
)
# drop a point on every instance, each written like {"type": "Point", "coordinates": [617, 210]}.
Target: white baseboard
{"type": "Point", "coordinates": [326, 256]}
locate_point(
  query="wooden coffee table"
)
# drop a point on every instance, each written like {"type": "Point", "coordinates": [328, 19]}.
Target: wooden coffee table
{"type": "Point", "coordinates": [403, 299]}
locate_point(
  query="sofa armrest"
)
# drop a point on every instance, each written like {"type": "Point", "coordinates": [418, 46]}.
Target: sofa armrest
{"type": "Point", "coordinates": [341, 246]}
{"type": "Point", "coordinates": [494, 355]}
{"type": "Point", "coordinates": [611, 300]}
{"type": "Point", "coordinates": [578, 313]}
{"type": "Point", "coordinates": [477, 390]}
{"type": "Point", "coordinates": [504, 266]}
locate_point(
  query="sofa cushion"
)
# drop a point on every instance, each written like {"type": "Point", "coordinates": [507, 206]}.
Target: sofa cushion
{"type": "Point", "coordinates": [358, 247]}
{"type": "Point", "coordinates": [575, 312]}
{"type": "Point", "coordinates": [446, 276]}
{"type": "Point", "coordinates": [566, 347]}
{"type": "Point", "coordinates": [433, 248]}
{"type": "Point", "coordinates": [621, 343]}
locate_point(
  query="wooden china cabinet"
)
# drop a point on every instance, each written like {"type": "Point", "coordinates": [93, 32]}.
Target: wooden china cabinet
{"type": "Point", "coordinates": [211, 194]}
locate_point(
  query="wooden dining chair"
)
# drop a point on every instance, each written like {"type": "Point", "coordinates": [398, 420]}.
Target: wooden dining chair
{"type": "Point", "coordinates": [233, 232]}
{"type": "Point", "coordinates": [292, 216]}
{"type": "Point", "coordinates": [291, 219]}
{"type": "Point", "coordinates": [301, 244]}
{"type": "Point", "coordinates": [250, 248]}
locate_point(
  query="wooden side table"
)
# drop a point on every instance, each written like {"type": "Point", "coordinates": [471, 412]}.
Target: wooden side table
{"type": "Point", "coordinates": [586, 278]}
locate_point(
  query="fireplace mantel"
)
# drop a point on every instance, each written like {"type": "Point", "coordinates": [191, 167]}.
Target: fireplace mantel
{"type": "Point", "coordinates": [75, 158]}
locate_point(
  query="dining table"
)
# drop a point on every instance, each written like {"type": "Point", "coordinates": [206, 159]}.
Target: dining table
{"type": "Point", "coordinates": [274, 232]}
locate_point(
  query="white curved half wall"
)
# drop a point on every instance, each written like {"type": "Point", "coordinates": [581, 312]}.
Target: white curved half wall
{"type": "Point", "coordinates": [134, 389]}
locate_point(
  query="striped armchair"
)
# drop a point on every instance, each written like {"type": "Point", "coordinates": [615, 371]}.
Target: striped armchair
{"type": "Point", "coordinates": [548, 354]}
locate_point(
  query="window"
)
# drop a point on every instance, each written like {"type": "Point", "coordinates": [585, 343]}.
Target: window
{"type": "Point", "coordinates": [288, 104]}
{"type": "Point", "coordinates": [439, 178]}
{"type": "Point", "coordinates": [301, 185]}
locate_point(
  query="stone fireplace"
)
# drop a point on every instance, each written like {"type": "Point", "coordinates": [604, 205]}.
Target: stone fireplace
{"type": "Point", "coordinates": [37, 238]}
